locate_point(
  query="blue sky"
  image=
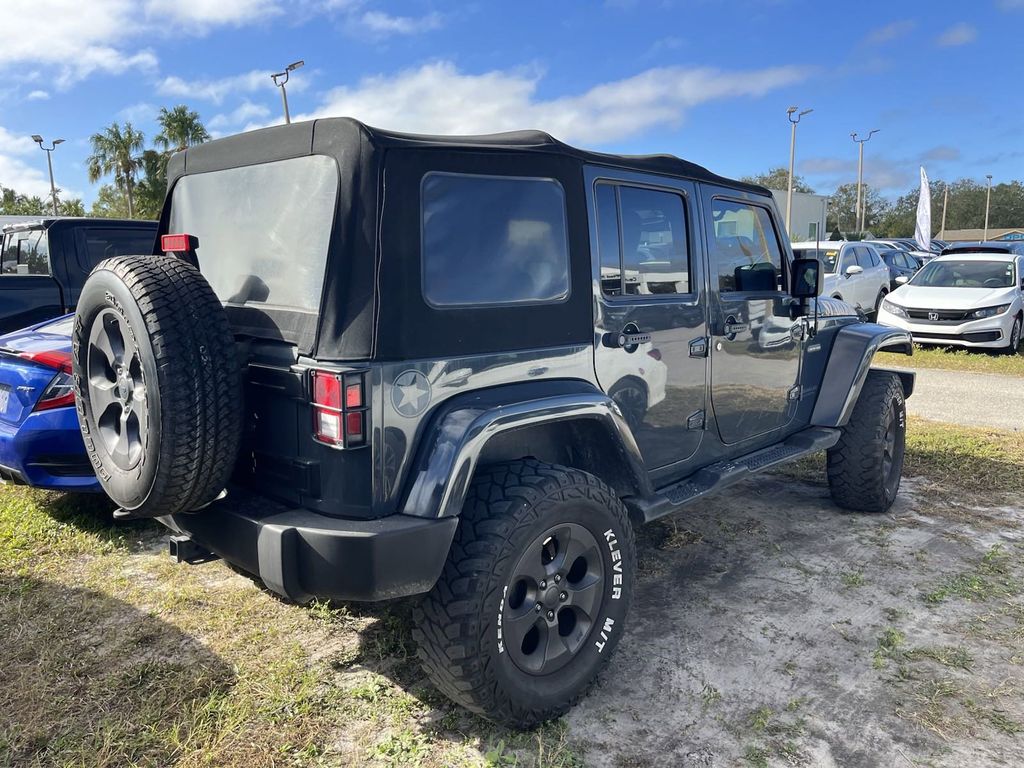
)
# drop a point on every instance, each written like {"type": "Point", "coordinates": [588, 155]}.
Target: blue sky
{"type": "Point", "coordinates": [707, 80]}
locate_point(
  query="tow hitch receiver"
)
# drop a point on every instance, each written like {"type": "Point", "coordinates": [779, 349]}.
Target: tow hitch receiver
{"type": "Point", "coordinates": [184, 550]}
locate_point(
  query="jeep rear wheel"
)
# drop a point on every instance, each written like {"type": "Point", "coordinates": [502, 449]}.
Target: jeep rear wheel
{"type": "Point", "coordinates": [157, 385]}
{"type": "Point", "coordinates": [865, 466]}
{"type": "Point", "coordinates": [534, 595]}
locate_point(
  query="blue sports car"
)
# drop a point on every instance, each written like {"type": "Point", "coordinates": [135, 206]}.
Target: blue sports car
{"type": "Point", "coordinates": [40, 443]}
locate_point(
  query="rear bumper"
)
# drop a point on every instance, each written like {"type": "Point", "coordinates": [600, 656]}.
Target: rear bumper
{"type": "Point", "coordinates": [46, 451]}
{"type": "Point", "coordinates": [301, 555]}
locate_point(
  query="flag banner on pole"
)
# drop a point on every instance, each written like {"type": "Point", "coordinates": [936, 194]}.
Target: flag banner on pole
{"type": "Point", "coordinates": [923, 232]}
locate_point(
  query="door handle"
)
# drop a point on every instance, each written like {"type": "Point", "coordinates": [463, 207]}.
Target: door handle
{"type": "Point", "coordinates": [624, 340]}
{"type": "Point", "coordinates": [731, 327]}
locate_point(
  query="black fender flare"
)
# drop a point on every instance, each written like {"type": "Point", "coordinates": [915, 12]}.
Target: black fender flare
{"type": "Point", "coordinates": [849, 361]}
{"type": "Point", "coordinates": [458, 432]}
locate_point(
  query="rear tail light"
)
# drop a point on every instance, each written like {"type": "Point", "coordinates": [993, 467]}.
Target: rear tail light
{"type": "Point", "coordinates": [60, 392]}
{"type": "Point", "coordinates": [655, 354]}
{"type": "Point", "coordinates": [339, 409]}
{"type": "Point", "coordinates": [178, 243]}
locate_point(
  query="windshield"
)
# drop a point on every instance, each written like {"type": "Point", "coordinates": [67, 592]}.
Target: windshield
{"type": "Point", "coordinates": [829, 257]}
{"type": "Point", "coordinates": [966, 274]}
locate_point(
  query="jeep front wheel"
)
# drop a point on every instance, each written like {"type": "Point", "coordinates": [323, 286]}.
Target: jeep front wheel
{"type": "Point", "coordinates": [865, 466]}
{"type": "Point", "coordinates": [534, 596]}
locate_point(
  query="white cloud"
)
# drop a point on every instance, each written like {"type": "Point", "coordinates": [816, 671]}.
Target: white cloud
{"type": "Point", "coordinates": [958, 34]}
{"type": "Point", "coordinates": [889, 32]}
{"type": "Point", "coordinates": [140, 113]}
{"type": "Point", "coordinates": [72, 39]}
{"type": "Point", "coordinates": [1011, 5]}
{"type": "Point", "coordinates": [382, 24]}
{"type": "Point", "coordinates": [216, 90]}
{"type": "Point", "coordinates": [20, 169]}
{"type": "Point", "coordinates": [438, 98]}
{"type": "Point", "coordinates": [203, 13]}
{"type": "Point", "coordinates": [247, 112]}
{"type": "Point", "coordinates": [38, 96]}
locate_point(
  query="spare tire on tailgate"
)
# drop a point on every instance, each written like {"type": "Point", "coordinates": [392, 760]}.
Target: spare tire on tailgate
{"type": "Point", "coordinates": [157, 385]}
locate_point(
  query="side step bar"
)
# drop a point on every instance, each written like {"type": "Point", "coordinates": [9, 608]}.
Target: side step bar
{"type": "Point", "coordinates": [715, 477]}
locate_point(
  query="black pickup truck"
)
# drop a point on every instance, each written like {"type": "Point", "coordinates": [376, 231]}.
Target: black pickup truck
{"type": "Point", "coordinates": [44, 263]}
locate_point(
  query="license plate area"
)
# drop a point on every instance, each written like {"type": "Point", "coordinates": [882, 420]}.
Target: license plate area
{"type": "Point", "coordinates": [5, 398]}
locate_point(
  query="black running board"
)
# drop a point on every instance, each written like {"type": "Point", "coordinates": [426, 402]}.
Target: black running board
{"type": "Point", "coordinates": [715, 477]}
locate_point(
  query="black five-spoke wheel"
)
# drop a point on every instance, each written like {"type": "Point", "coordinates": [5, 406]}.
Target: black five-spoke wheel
{"type": "Point", "coordinates": [117, 389]}
{"type": "Point", "coordinates": [554, 597]}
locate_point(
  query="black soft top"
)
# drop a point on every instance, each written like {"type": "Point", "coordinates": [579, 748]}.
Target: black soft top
{"type": "Point", "coordinates": [343, 133]}
{"type": "Point", "coordinates": [372, 304]}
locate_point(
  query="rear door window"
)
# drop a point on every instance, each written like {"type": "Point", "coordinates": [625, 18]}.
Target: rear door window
{"type": "Point", "coordinates": [493, 240]}
{"type": "Point", "coordinates": [644, 239]}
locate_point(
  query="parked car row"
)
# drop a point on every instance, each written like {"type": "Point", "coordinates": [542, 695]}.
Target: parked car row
{"type": "Point", "coordinates": [971, 296]}
{"type": "Point", "coordinates": [43, 265]}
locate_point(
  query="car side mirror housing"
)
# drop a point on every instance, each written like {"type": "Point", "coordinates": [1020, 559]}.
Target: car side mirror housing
{"type": "Point", "coordinates": [808, 279]}
{"type": "Point", "coordinates": [902, 279]}
{"type": "Point", "coordinates": [853, 269]}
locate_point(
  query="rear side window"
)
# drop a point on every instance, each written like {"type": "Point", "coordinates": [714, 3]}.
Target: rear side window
{"type": "Point", "coordinates": [103, 244]}
{"type": "Point", "coordinates": [747, 250]}
{"type": "Point", "coordinates": [263, 230]}
{"type": "Point", "coordinates": [651, 227]}
{"type": "Point", "coordinates": [491, 240]}
{"type": "Point", "coordinates": [26, 252]}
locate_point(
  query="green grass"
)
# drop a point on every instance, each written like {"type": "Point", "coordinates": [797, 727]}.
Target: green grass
{"type": "Point", "coordinates": [955, 459]}
{"type": "Point", "coordinates": [114, 655]}
{"type": "Point", "coordinates": [956, 360]}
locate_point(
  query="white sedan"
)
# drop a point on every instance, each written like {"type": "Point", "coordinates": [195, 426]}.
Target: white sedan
{"type": "Point", "coordinates": [962, 299]}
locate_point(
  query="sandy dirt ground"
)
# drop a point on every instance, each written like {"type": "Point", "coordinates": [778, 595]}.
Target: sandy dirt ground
{"type": "Point", "coordinates": [771, 629]}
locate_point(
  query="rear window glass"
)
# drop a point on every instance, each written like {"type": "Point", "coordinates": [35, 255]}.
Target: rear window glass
{"type": "Point", "coordinates": [103, 244]}
{"type": "Point", "coordinates": [493, 240]}
{"type": "Point", "coordinates": [263, 230]}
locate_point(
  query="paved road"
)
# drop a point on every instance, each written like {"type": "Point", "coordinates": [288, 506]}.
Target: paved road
{"type": "Point", "coordinates": [974, 399]}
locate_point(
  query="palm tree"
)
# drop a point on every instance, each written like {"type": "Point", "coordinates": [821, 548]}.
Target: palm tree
{"type": "Point", "coordinates": [180, 128]}
{"type": "Point", "coordinates": [116, 151]}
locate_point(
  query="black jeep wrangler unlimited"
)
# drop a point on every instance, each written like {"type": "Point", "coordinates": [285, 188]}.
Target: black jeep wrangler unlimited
{"type": "Point", "coordinates": [369, 365]}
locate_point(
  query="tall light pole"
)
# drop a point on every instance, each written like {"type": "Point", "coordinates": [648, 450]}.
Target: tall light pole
{"type": "Point", "coordinates": [860, 173]}
{"type": "Point", "coordinates": [792, 156]}
{"type": "Point", "coordinates": [988, 198]}
{"type": "Point", "coordinates": [284, 79]}
{"type": "Point", "coordinates": [49, 162]}
{"type": "Point", "coordinates": [945, 202]}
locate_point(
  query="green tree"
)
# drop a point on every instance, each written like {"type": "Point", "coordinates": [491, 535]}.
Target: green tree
{"type": "Point", "coordinates": [116, 152]}
{"type": "Point", "coordinates": [110, 203]}
{"type": "Point", "coordinates": [842, 207]}
{"type": "Point", "coordinates": [778, 178]}
{"type": "Point", "coordinates": [14, 204]}
{"type": "Point", "coordinates": [180, 128]}
{"type": "Point", "coordinates": [152, 188]}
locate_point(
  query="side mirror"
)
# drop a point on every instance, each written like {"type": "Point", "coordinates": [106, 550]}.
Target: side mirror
{"type": "Point", "coordinates": [853, 269]}
{"type": "Point", "coordinates": [808, 279]}
{"type": "Point", "coordinates": [902, 279]}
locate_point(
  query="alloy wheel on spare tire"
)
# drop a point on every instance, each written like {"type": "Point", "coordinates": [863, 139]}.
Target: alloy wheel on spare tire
{"type": "Point", "coordinates": [157, 385]}
{"type": "Point", "coordinates": [534, 596]}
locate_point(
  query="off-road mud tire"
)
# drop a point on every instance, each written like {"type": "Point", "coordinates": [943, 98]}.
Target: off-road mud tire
{"type": "Point", "coordinates": [457, 624]}
{"type": "Point", "coordinates": [858, 475]}
{"type": "Point", "coordinates": [178, 336]}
